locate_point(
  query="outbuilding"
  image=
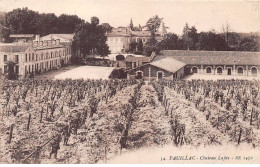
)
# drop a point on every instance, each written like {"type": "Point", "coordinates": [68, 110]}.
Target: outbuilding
{"type": "Point", "coordinates": [165, 68]}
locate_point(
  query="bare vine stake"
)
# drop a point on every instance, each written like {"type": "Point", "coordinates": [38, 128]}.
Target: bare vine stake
{"type": "Point", "coordinates": [47, 111]}
{"type": "Point", "coordinates": [29, 120]}
{"type": "Point", "coordinates": [11, 133]}
{"type": "Point", "coordinates": [105, 154]}
{"type": "Point", "coordinates": [240, 133]}
{"type": "Point", "coordinates": [41, 115]}
{"type": "Point", "coordinates": [251, 118]}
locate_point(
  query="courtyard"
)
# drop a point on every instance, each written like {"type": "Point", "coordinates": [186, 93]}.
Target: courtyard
{"type": "Point", "coordinates": [86, 72]}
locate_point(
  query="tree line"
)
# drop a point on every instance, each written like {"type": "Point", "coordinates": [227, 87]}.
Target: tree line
{"type": "Point", "coordinates": [192, 40]}
{"type": "Point", "coordinates": [25, 21]}
{"type": "Point", "coordinates": [91, 38]}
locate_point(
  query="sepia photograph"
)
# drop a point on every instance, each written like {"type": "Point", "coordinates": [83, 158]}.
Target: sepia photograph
{"type": "Point", "coordinates": [129, 82]}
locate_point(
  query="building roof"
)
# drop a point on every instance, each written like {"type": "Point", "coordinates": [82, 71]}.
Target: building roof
{"type": "Point", "coordinates": [132, 58]}
{"type": "Point", "coordinates": [14, 48]}
{"type": "Point", "coordinates": [162, 28]}
{"type": "Point", "coordinates": [212, 57]}
{"type": "Point", "coordinates": [21, 36]}
{"type": "Point", "coordinates": [118, 34]}
{"type": "Point", "coordinates": [58, 36]}
{"type": "Point", "coordinates": [38, 47]}
{"type": "Point", "coordinates": [168, 64]}
{"type": "Point", "coordinates": [141, 33]}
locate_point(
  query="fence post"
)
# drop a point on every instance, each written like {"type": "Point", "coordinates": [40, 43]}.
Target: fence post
{"type": "Point", "coordinates": [29, 120]}
{"type": "Point", "coordinates": [11, 133]}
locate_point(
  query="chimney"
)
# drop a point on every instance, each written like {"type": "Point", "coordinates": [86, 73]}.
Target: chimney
{"type": "Point", "coordinates": [57, 41]}
{"type": "Point", "coordinates": [45, 43]}
{"type": "Point", "coordinates": [37, 37]}
{"type": "Point", "coordinates": [53, 42]}
{"type": "Point", "coordinates": [35, 43]}
{"type": "Point", "coordinates": [49, 43]}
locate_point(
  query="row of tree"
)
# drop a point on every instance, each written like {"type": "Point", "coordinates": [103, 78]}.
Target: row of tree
{"type": "Point", "coordinates": [25, 21]}
{"type": "Point", "coordinates": [192, 40]}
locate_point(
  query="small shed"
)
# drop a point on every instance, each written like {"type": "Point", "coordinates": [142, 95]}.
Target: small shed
{"type": "Point", "coordinates": [165, 68]}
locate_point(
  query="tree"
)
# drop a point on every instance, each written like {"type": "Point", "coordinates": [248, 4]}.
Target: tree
{"type": "Point", "coordinates": [107, 27]}
{"type": "Point", "coordinates": [170, 42]}
{"type": "Point", "coordinates": [11, 75]}
{"type": "Point", "coordinates": [131, 25]}
{"type": "Point", "coordinates": [140, 46]}
{"type": "Point", "coordinates": [211, 41]}
{"type": "Point", "coordinates": [22, 21]}
{"type": "Point", "coordinates": [226, 30]}
{"type": "Point", "coordinates": [25, 21]}
{"type": "Point", "coordinates": [190, 37]}
{"type": "Point", "coordinates": [67, 23]}
{"type": "Point", "coordinates": [48, 24]}
{"type": "Point", "coordinates": [94, 21]}
{"type": "Point", "coordinates": [90, 38]}
{"type": "Point", "coordinates": [152, 45]}
{"type": "Point", "coordinates": [249, 44]}
{"type": "Point", "coordinates": [153, 23]}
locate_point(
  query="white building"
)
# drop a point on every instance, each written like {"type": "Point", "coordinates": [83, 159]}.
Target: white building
{"type": "Point", "coordinates": [120, 38]}
{"type": "Point", "coordinates": [41, 56]}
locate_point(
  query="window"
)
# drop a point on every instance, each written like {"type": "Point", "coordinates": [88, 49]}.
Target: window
{"type": "Point", "coordinates": [5, 58]}
{"type": "Point", "coordinates": [160, 75]}
{"type": "Point", "coordinates": [26, 58]}
{"type": "Point", "coordinates": [17, 69]}
{"type": "Point", "coordinates": [17, 58]}
{"type": "Point", "coordinates": [33, 57]}
{"type": "Point", "coordinates": [134, 64]}
{"type": "Point", "coordinates": [29, 57]}
{"type": "Point", "coordinates": [5, 69]}
{"type": "Point", "coordinates": [36, 57]}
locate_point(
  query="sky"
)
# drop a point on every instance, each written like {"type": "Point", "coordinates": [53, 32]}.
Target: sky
{"type": "Point", "coordinates": [205, 15]}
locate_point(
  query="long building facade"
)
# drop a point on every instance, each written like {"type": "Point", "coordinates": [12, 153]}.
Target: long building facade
{"type": "Point", "coordinates": [172, 64]}
{"type": "Point", "coordinates": [41, 56]}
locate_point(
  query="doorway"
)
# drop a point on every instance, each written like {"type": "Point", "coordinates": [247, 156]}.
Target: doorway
{"type": "Point", "coordinates": [229, 71]}
{"type": "Point", "coordinates": [160, 75]}
{"type": "Point", "coordinates": [139, 75]}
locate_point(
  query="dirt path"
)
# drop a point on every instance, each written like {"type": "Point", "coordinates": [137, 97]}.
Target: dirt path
{"type": "Point", "coordinates": [150, 126]}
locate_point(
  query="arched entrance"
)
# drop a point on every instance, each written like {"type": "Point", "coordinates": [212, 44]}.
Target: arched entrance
{"type": "Point", "coordinates": [219, 70]}
{"type": "Point", "coordinates": [240, 71]}
{"type": "Point", "coordinates": [194, 70]}
{"type": "Point", "coordinates": [208, 70]}
{"type": "Point", "coordinates": [254, 71]}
